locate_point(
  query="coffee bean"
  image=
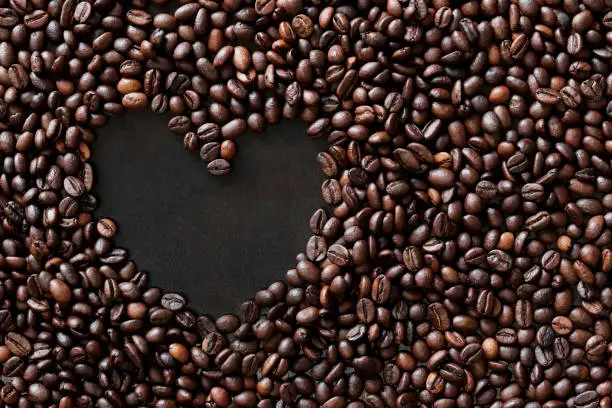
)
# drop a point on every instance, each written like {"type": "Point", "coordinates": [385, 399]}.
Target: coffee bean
{"type": "Point", "coordinates": [593, 87]}
{"type": "Point", "coordinates": [210, 151]}
{"type": "Point", "coordinates": [265, 7]}
{"type": "Point", "coordinates": [60, 291]}
{"type": "Point", "coordinates": [487, 303]}
{"type": "Point", "coordinates": [548, 96]}
{"type": "Point", "coordinates": [562, 325]}
{"type": "Point", "coordinates": [544, 356]}
{"type": "Point", "coordinates": [596, 346]}
{"type": "Point", "coordinates": [209, 132]}
{"type": "Point", "coordinates": [179, 125]}
{"type": "Point", "coordinates": [14, 366]}
{"type": "Point", "coordinates": [545, 336]}
{"type": "Point", "coordinates": [407, 159]}
{"type": "Point", "coordinates": [499, 260]}
{"type": "Point", "coordinates": [435, 383]}
{"type": "Point", "coordinates": [5, 319]}
{"type": "Point", "coordinates": [173, 302]}
{"type": "Point", "coordinates": [477, 256]}
{"type": "Point", "coordinates": [106, 227]}
{"type": "Point", "coordinates": [9, 394]}
{"type": "Point", "coordinates": [571, 97]}
{"type": "Point", "coordinates": [561, 348]}
{"type": "Point", "coordinates": [138, 17]}
{"type": "Point", "coordinates": [17, 344]}
{"type": "Point", "coordinates": [18, 76]}
{"type": "Point", "coordinates": [587, 399]}
{"type": "Point", "coordinates": [538, 221]}
{"type": "Point", "coordinates": [36, 19]}
{"type": "Point", "coordinates": [412, 258]}
{"type": "Point", "coordinates": [443, 17]}
{"type": "Point", "coordinates": [467, 171]}
{"type": "Point", "coordinates": [74, 186]}
{"type": "Point", "coordinates": [441, 178]}
{"type": "Point", "coordinates": [533, 192]}
{"type": "Point", "coordinates": [517, 163]}
{"type": "Point", "coordinates": [218, 167]}
{"type": "Point", "coordinates": [452, 372]}
{"type": "Point", "coordinates": [471, 353]}
{"type": "Point", "coordinates": [233, 129]}
{"type": "Point", "coordinates": [319, 129]}
{"type": "Point", "coordinates": [381, 289]}
{"type": "Point", "coordinates": [135, 100]}
{"type": "Point", "coordinates": [550, 260]}
{"type": "Point", "coordinates": [523, 313]}
{"type": "Point", "coordinates": [365, 310]}
{"type": "Point", "coordinates": [486, 190]}
{"type": "Point", "coordinates": [439, 316]}
{"type": "Point", "coordinates": [8, 17]}
{"type": "Point", "coordinates": [316, 248]}
{"type": "Point", "coordinates": [339, 255]}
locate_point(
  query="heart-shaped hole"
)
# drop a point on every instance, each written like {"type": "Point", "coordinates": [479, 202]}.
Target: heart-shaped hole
{"type": "Point", "coordinates": [216, 239]}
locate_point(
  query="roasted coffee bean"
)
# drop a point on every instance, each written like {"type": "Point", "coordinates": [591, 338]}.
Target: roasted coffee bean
{"type": "Point", "coordinates": [435, 383]}
{"type": "Point", "coordinates": [218, 167]}
{"type": "Point", "coordinates": [499, 260]}
{"type": "Point", "coordinates": [562, 325]}
{"type": "Point", "coordinates": [538, 221]}
{"type": "Point", "coordinates": [471, 353]}
{"type": "Point", "coordinates": [60, 291]}
{"type": "Point", "coordinates": [561, 348]}
{"type": "Point", "coordinates": [264, 7]}
{"type": "Point", "coordinates": [587, 399]}
{"type": "Point", "coordinates": [548, 96]}
{"type": "Point", "coordinates": [517, 163]}
{"type": "Point", "coordinates": [571, 97]}
{"type": "Point", "coordinates": [14, 366]}
{"type": "Point", "coordinates": [134, 100]}
{"type": "Point", "coordinates": [17, 344]}
{"type": "Point", "coordinates": [439, 316]}
{"type": "Point", "coordinates": [8, 17]}
{"type": "Point", "coordinates": [452, 372]}
{"type": "Point", "coordinates": [173, 302]}
{"type": "Point", "coordinates": [74, 186]}
{"type": "Point", "coordinates": [106, 227]}
{"type": "Point", "coordinates": [208, 132]}
{"type": "Point", "coordinates": [533, 192]}
{"type": "Point", "coordinates": [523, 313]}
{"type": "Point", "coordinates": [210, 151]}
{"type": "Point", "coordinates": [5, 319]}
{"type": "Point", "coordinates": [179, 125]}
{"type": "Point", "coordinates": [466, 251]}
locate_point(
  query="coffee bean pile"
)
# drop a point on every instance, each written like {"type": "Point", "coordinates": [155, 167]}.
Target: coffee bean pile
{"type": "Point", "coordinates": [464, 255]}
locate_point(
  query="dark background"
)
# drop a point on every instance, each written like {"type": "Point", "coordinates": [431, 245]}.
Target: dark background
{"type": "Point", "coordinates": [216, 239]}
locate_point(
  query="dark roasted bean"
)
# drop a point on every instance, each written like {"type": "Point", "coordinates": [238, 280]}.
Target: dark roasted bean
{"type": "Point", "coordinates": [464, 258]}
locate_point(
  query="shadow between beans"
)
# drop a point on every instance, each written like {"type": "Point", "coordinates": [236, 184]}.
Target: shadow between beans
{"type": "Point", "coordinates": [217, 240]}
